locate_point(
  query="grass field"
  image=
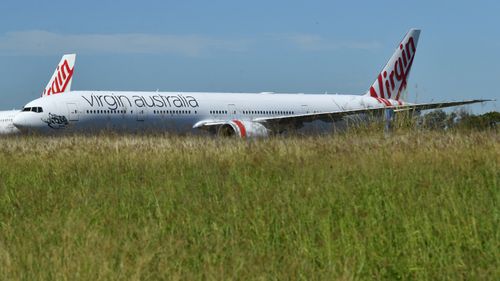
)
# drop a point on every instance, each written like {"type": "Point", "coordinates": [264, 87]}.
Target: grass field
{"type": "Point", "coordinates": [413, 205]}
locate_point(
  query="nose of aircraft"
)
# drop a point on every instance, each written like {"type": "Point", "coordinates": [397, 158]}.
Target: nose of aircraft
{"type": "Point", "coordinates": [19, 121]}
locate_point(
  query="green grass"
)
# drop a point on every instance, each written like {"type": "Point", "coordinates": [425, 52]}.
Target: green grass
{"type": "Point", "coordinates": [415, 205]}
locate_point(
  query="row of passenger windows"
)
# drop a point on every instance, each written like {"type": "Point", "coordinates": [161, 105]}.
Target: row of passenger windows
{"type": "Point", "coordinates": [218, 111]}
{"type": "Point", "coordinates": [269, 112]}
{"type": "Point", "coordinates": [101, 111]}
{"type": "Point", "coordinates": [6, 120]}
{"type": "Point", "coordinates": [173, 112]}
{"type": "Point", "coordinates": [33, 109]}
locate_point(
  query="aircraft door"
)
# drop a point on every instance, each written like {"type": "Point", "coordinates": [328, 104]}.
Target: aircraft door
{"type": "Point", "coordinates": [140, 115]}
{"type": "Point", "coordinates": [72, 111]}
{"type": "Point", "coordinates": [231, 110]}
{"type": "Point", "coordinates": [305, 109]}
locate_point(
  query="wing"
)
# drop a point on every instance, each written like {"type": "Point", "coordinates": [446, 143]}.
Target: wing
{"type": "Point", "coordinates": [259, 126]}
{"type": "Point", "coordinates": [424, 106]}
{"type": "Point", "coordinates": [338, 115]}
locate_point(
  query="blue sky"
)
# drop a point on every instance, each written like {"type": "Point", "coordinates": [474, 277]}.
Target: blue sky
{"type": "Point", "coordinates": [249, 46]}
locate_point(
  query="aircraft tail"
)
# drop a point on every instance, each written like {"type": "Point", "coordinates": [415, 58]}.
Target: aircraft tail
{"type": "Point", "coordinates": [62, 77]}
{"type": "Point", "coordinates": [393, 79]}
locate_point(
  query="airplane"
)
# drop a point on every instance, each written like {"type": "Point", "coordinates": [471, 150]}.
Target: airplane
{"type": "Point", "coordinates": [7, 117]}
{"type": "Point", "coordinates": [225, 114]}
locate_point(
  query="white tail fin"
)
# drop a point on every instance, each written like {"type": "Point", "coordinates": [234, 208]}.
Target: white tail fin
{"type": "Point", "coordinates": [62, 77]}
{"type": "Point", "coordinates": [393, 79]}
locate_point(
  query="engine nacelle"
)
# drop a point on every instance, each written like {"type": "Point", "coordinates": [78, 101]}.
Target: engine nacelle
{"type": "Point", "coordinates": [243, 129]}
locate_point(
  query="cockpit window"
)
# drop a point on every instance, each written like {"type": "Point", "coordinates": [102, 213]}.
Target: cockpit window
{"type": "Point", "coordinates": [36, 109]}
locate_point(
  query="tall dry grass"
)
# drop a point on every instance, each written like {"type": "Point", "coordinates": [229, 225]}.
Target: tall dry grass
{"type": "Point", "coordinates": [358, 205]}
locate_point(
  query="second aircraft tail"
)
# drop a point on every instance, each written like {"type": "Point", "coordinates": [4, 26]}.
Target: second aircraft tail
{"type": "Point", "coordinates": [62, 77]}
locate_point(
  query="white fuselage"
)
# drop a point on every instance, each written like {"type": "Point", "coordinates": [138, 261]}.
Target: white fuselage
{"type": "Point", "coordinates": [6, 122]}
{"type": "Point", "coordinates": [173, 111]}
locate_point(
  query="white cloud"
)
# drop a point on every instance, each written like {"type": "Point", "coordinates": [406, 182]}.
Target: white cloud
{"type": "Point", "coordinates": [38, 42]}
{"type": "Point", "coordinates": [307, 41]}
{"type": "Point", "coordinates": [311, 42]}
{"type": "Point", "coordinates": [43, 43]}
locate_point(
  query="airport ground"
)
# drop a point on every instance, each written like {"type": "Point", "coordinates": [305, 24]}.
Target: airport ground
{"type": "Point", "coordinates": [415, 204]}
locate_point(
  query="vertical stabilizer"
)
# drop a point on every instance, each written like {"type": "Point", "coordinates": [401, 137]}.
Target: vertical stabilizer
{"type": "Point", "coordinates": [62, 77]}
{"type": "Point", "coordinates": [393, 79]}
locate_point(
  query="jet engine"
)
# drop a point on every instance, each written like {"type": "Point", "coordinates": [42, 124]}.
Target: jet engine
{"type": "Point", "coordinates": [243, 129]}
